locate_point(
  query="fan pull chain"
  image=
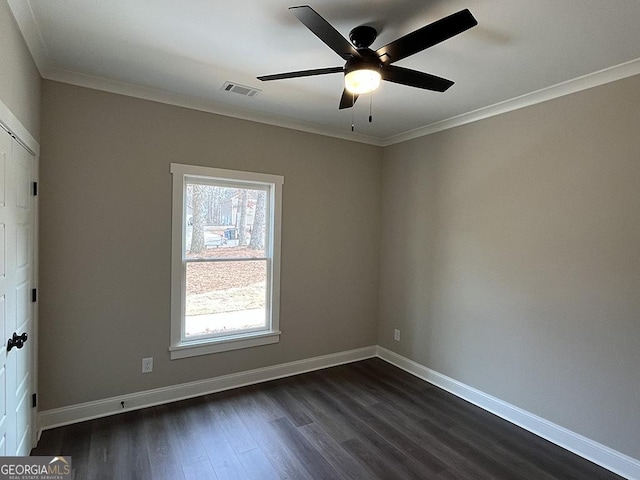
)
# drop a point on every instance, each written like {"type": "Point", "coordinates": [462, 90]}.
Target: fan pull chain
{"type": "Point", "coordinates": [353, 121]}
{"type": "Point", "coordinates": [370, 103]}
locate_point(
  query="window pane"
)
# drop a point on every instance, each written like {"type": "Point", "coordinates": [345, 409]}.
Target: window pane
{"type": "Point", "coordinates": [225, 297]}
{"type": "Point", "coordinates": [223, 222]}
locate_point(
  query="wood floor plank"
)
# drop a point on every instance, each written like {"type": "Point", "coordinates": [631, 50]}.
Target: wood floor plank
{"type": "Point", "coordinates": [164, 461]}
{"type": "Point", "coordinates": [339, 458]}
{"type": "Point", "coordinates": [428, 463]}
{"type": "Point", "coordinates": [101, 457]}
{"type": "Point", "coordinates": [185, 440]}
{"type": "Point", "coordinates": [289, 404]}
{"type": "Point", "coordinates": [217, 446]}
{"type": "Point", "coordinates": [365, 420]}
{"type": "Point", "coordinates": [77, 441]}
{"type": "Point", "coordinates": [480, 455]}
{"type": "Point", "coordinates": [237, 433]}
{"type": "Point", "coordinates": [257, 466]}
{"type": "Point", "coordinates": [229, 468]}
{"type": "Point", "coordinates": [252, 411]}
{"type": "Point", "coordinates": [312, 460]}
{"type": "Point", "coordinates": [374, 441]}
{"type": "Point", "coordinates": [454, 460]}
{"type": "Point", "coordinates": [362, 391]}
{"type": "Point", "coordinates": [198, 471]}
{"type": "Point", "coordinates": [130, 458]}
{"type": "Point", "coordinates": [382, 468]}
{"type": "Point", "coordinates": [337, 429]}
{"type": "Point", "coordinates": [261, 402]}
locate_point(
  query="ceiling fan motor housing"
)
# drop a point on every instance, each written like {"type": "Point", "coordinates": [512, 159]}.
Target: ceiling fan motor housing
{"type": "Point", "coordinates": [368, 60]}
{"type": "Point", "coordinates": [362, 36]}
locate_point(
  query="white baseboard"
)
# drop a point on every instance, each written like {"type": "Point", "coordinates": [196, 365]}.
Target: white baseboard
{"type": "Point", "coordinates": [597, 453]}
{"type": "Point", "coordinates": [110, 406]}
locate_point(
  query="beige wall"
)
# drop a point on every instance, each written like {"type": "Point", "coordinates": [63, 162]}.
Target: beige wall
{"type": "Point", "coordinates": [507, 250]}
{"type": "Point", "coordinates": [105, 221]}
{"type": "Point", "coordinates": [511, 258]}
{"type": "Point", "coordinates": [19, 78]}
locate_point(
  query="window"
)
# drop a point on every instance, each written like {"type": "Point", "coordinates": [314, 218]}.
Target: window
{"type": "Point", "coordinates": [225, 266]}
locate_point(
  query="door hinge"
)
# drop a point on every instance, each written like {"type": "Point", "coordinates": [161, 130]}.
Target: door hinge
{"type": "Point", "coordinates": [34, 295]}
{"type": "Point", "coordinates": [35, 189]}
{"type": "Point", "coordinates": [34, 400]}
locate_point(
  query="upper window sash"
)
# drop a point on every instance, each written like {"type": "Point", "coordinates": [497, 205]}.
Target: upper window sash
{"type": "Point", "coordinates": [224, 175]}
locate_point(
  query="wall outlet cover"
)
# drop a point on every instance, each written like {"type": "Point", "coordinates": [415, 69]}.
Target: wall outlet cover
{"type": "Point", "coordinates": [147, 365]}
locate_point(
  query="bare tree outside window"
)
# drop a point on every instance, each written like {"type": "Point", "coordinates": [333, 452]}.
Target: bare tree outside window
{"type": "Point", "coordinates": [214, 198]}
{"type": "Point", "coordinates": [257, 231]}
{"type": "Point", "coordinates": [198, 218]}
{"type": "Point", "coordinates": [242, 224]}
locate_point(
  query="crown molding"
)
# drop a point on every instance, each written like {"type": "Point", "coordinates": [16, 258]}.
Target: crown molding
{"type": "Point", "coordinates": [28, 26]}
{"type": "Point", "coordinates": [601, 77]}
{"type": "Point", "coordinates": [607, 75]}
{"type": "Point", "coordinates": [194, 103]}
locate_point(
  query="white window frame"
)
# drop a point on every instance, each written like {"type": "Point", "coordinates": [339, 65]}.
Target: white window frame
{"type": "Point", "coordinates": [180, 346]}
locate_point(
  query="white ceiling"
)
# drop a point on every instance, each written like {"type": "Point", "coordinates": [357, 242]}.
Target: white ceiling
{"type": "Point", "coordinates": [182, 52]}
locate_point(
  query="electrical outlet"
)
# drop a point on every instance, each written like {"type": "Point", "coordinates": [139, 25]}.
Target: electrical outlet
{"type": "Point", "coordinates": [396, 335]}
{"type": "Point", "coordinates": [147, 365]}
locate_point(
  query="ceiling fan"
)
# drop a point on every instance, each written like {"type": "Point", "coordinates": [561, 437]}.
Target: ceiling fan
{"type": "Point", "coordinates": [364, 68]}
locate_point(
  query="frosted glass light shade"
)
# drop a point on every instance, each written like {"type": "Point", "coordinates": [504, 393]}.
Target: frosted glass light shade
{"type": "Point", "coordinates": [362, 81]}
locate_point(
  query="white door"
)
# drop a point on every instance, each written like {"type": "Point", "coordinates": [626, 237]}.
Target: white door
{"type": "Point", "coordinates": [16, 308]}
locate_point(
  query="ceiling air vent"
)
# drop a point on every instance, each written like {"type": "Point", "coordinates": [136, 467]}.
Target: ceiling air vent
{"type": "Point", "coordinates": [240, 89]}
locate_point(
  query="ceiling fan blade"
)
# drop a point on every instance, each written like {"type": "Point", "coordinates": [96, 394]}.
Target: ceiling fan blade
{"type": "Point", "coordinates": [427, 36]}
{"type": "Point", "coordinates": [301, 73]}
{"type": "Point", "coordinates": [413, 78]}
{"type": "Point", "coordinates": [348, 99]}
{"type": "Point", "coordinates": [325, 31]}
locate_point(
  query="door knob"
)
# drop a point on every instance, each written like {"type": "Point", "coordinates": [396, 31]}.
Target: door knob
{"type": "Point", "coordinates": [16, 341]}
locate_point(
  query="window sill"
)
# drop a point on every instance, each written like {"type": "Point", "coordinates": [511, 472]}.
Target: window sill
{"type": "Point", "coordinates": [205, 347]}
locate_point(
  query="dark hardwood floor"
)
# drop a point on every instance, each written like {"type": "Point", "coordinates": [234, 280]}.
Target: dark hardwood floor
{"type": "Point", "coordinates": [366, 420]}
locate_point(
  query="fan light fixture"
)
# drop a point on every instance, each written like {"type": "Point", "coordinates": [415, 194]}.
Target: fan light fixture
{"type": "Point", "coordinates": [364, 80]}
